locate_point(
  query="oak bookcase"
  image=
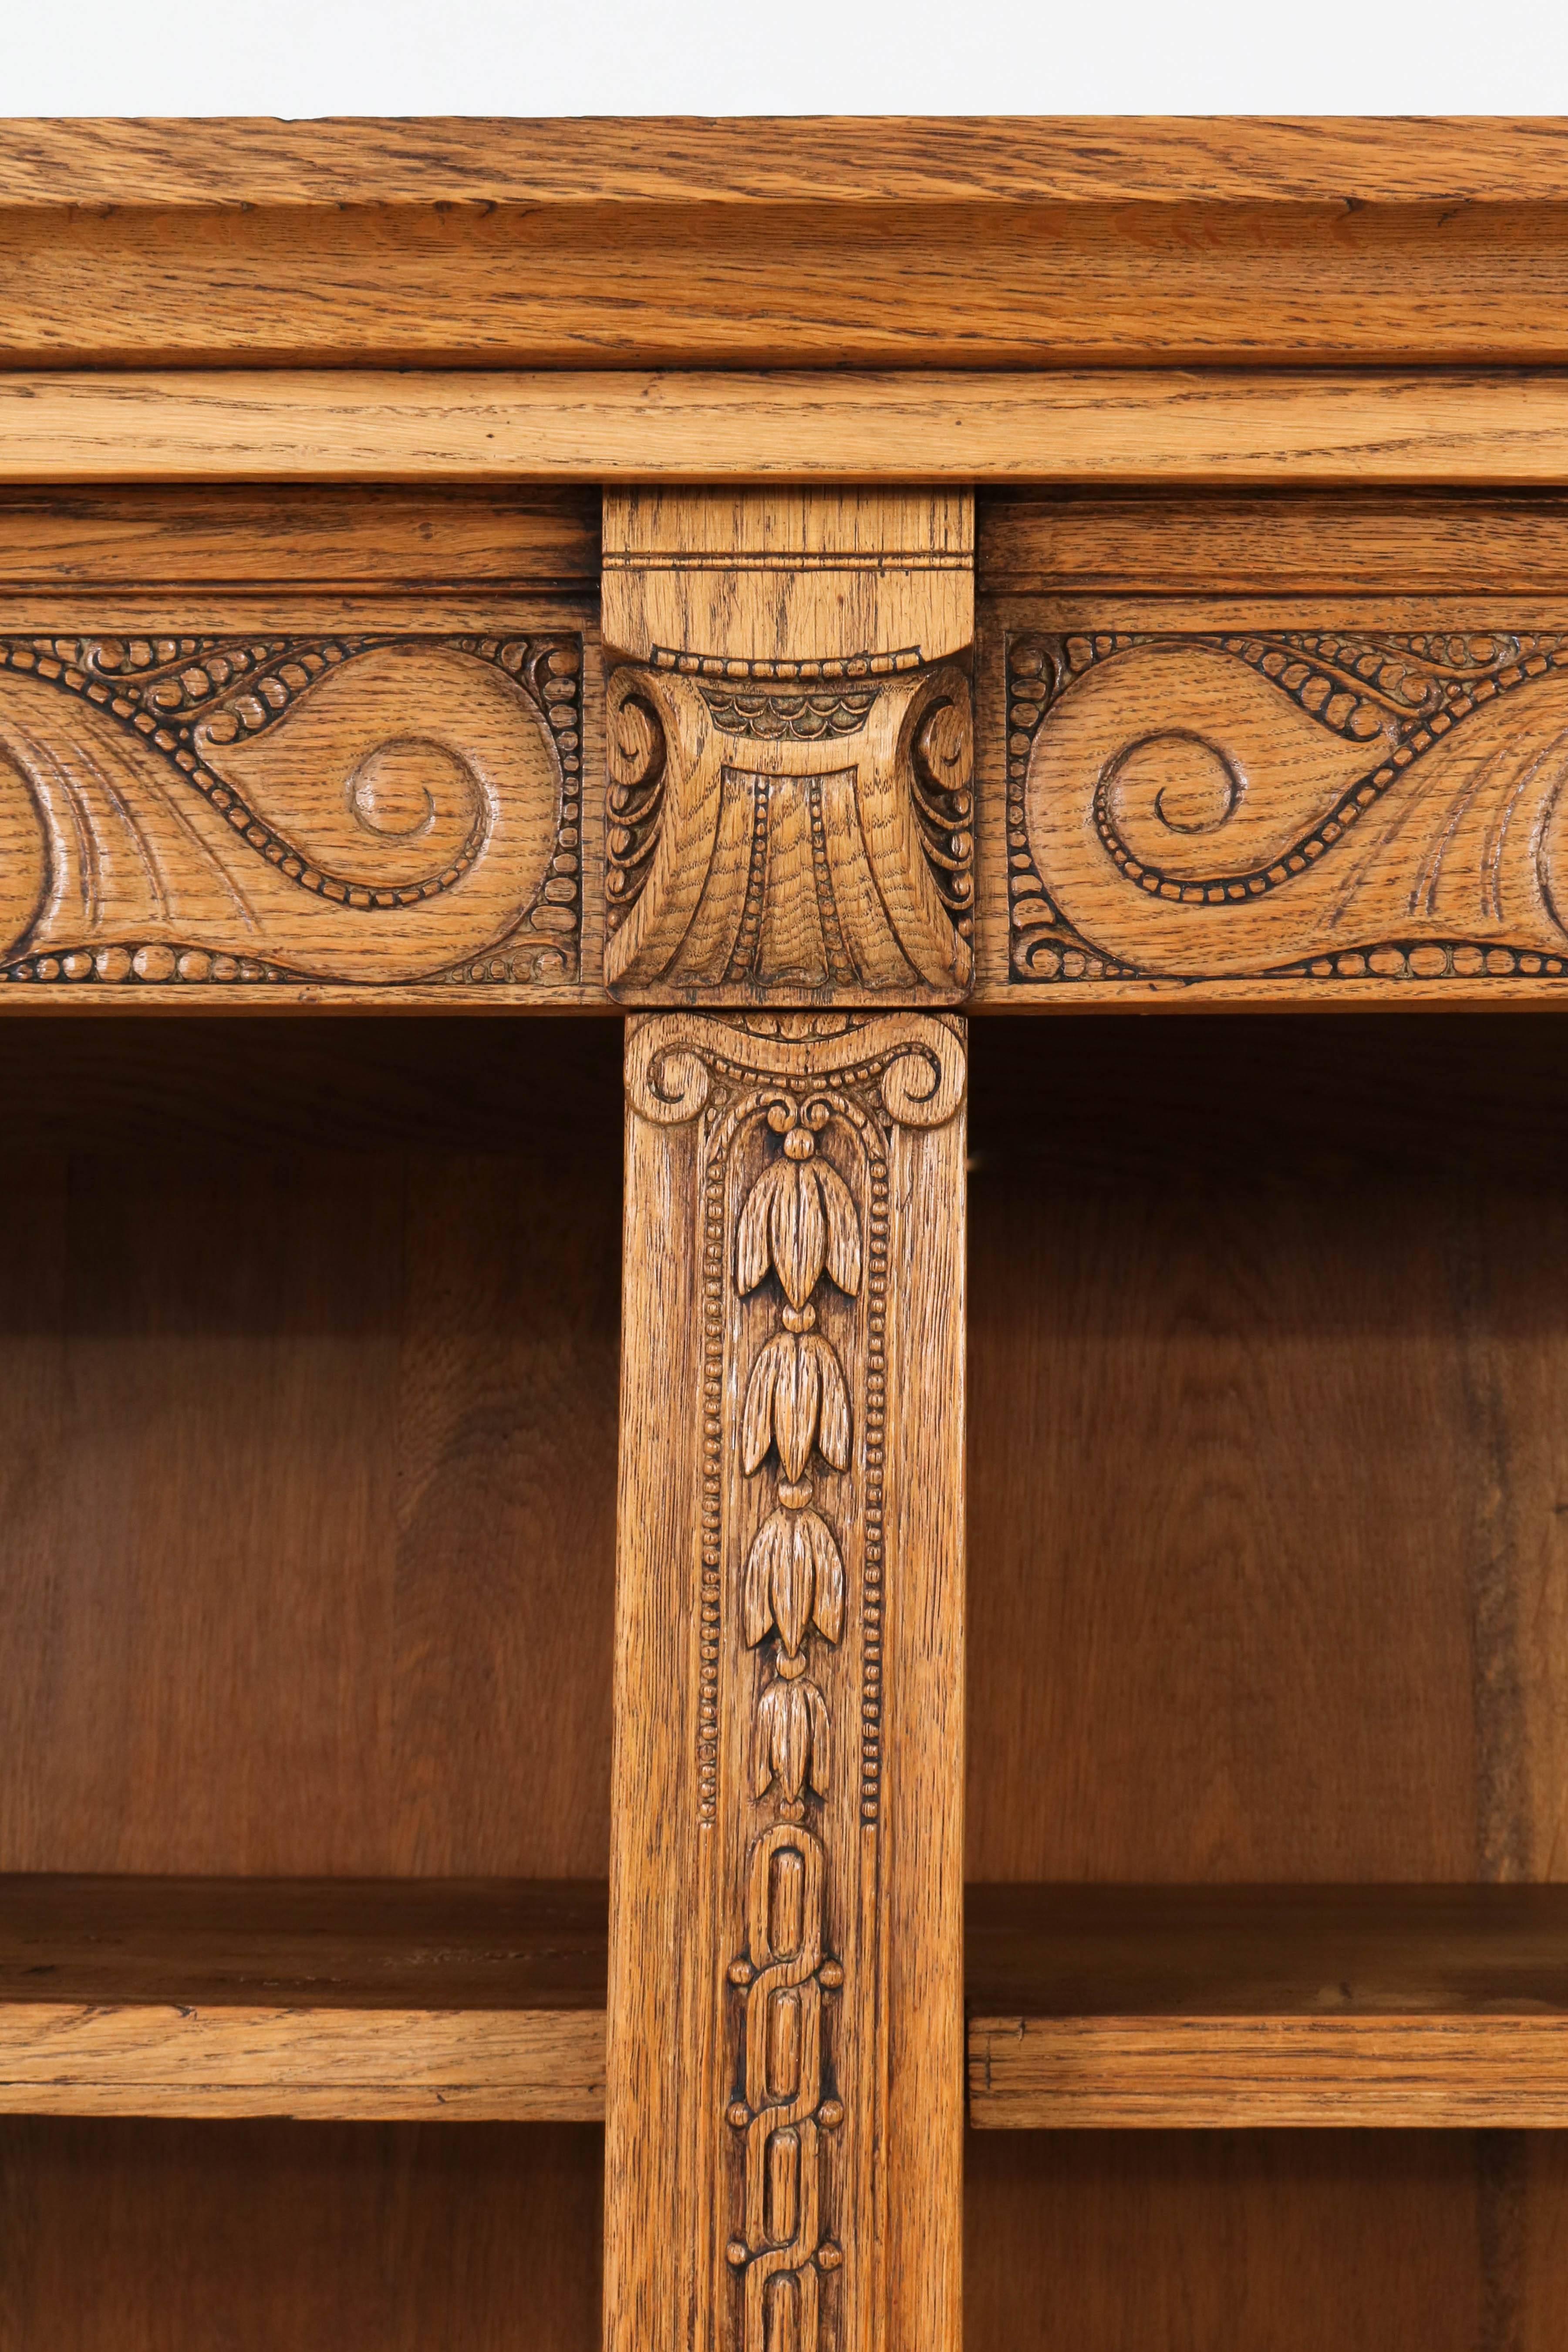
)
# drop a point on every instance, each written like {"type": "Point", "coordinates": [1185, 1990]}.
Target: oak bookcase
{"type": "Point", "coordinates": [784, 1424]}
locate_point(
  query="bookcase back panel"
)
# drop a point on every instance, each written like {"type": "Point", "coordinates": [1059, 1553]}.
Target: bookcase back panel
{"type": "Point", "coordinates": [175, 2236]}
{"type": "Point", "coordinates": [308, 1390]}
{"type": "Point", "coordinates": [1268, 1382]}
{"type": "Point", "coordinates": [1178, 2242]}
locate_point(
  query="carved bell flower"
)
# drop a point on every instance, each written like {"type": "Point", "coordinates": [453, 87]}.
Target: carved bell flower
{"type": "Point", "coordinates": [796, 1399]}
{"type": "Point", "coordinates": [799, 1218]}
{"type": "Point", "coordinates": [792, 1738]}
{"type": "Point", "coordinates": [795, 1579]}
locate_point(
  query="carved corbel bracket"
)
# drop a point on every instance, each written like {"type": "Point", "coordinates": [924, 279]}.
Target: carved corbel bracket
{"type": "Point", "coordinates": [789, 742]}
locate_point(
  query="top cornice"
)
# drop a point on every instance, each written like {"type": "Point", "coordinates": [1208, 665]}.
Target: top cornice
{"type": "Point", "coordinates": [1000, 243]}
{"type": "Point", "coordinates": [849, 161]}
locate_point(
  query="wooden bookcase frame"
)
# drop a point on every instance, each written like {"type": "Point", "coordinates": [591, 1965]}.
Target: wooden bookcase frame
{"type": "Point", "coordinates": [303, 431]}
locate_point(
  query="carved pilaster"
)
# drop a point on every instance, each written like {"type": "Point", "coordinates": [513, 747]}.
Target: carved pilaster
{"type": "Point", "coordinates": [786, 2004]}
{"type": "Point", "coordinates": [789, 800]}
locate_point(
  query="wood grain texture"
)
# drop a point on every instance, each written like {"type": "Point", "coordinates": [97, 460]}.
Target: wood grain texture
{"type": "Point", "coordinates": [1268, 1390]}
{"type": "Point", "coordinates": [1220, 2072]}
{"type": "Point", "coordinates": [307, 1470]}
{"type": "Point", "coordinates": [202, 810]}
{"type": "Point", "coordinates": [785, 1958]}
{"type": "Point", "coordinates": [1201, 2008]}
{"type": "Point", "coordinates": [170, 163]}
{"type": "Point", "coordinates": [1450, 546]}
{"type": "Point", "coordinates": [379, 2065]}
{"type": "Point", "coordinates": [625, 424]}
{"type": "Point", "coordinates": [364, 539]}
{"type": "Point", "coordinates": [1327, 803]}
{"type": "Point", "coordinates": [1000, 243]}
{"type": "Point", "coordinates": [357, 2000]}
{"type": "Point", "coordinates": [798, 584]}
{"type": "Point", "coordinates": [1228, 798]}
{"type": "Point", "coordinates": [1293, 2241]}
{"type": "Point", "coordinates": [164, 2237]}
{"type": "Point", "coordinates": [790, 811]}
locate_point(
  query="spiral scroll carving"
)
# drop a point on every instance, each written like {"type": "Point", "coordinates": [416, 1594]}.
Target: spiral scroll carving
{"type": "Point", "coordinates": [1317, 805]}
{"type": "Point", "coordinates": [367, 810]}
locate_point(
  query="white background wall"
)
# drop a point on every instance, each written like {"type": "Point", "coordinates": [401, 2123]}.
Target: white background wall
{"type": "Point", "coordinates": [787, 57]}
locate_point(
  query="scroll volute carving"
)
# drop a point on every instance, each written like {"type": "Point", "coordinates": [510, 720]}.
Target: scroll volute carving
{"type": "Point", "coordinates": [789, 805]}
{"type": "Point", "coordinates": [1329, 807]}
{"type": "Point", "coordinates": [284, 812]}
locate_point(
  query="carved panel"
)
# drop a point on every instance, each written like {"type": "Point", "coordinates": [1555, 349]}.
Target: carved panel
{"type": "Point", "coordinates": [1324, 805]}
{"type": "Point", "coordinates": [789, 804]}
{"type": "Point", "coordinates": [818, 1162]}
{"type": "Point", "coordinates": [271, 811]}
{"type": "Point", "coordinates": [789, 842]}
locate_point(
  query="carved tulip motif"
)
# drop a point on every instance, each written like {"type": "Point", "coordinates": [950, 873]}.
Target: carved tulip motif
{"type": "Point", "coordinates": [791, 1741]}
{"type": "Point", "coordinates": [799, 1218]}
{"type": "Point", "coordinates": [796, 1399]}
{"type": "Point", "coordinates": [795, 1579]}
{"type": "Point", "coordinates": [800, 1222]}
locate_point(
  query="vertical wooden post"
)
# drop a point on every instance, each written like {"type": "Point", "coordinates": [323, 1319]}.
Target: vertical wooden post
{"type": "Point", "coordinates": [785, 2063]}
{"type": "Point", "coordinates": [789, 825]}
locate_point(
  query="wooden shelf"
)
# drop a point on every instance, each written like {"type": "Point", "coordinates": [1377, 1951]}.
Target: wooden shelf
{"type": "Point", "coordinates": [1097, 2007]}
{"type": "Point", "coordinates": [354, 1998]}
{"type": "Point", "coordinates": [1088, 2006]}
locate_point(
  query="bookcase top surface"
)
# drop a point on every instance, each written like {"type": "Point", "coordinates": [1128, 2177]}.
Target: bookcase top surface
{"type": "Point", "coordinates": [852, 160]}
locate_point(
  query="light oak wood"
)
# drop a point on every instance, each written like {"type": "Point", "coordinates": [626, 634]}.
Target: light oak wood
{"type": "Point", "coordinates": [790, 813]}
{"type": "Point", "coordinates": [386, 2065]}
{"type": "Point", "coordinates": [305, 1477]}
{"type": "Point", "coordinates": [213, 1998]}
{"type": "Point", "coordinates": [1005, 244]}
{"type": "Point", "coordinates": [287, 425]}
{"type": "Point", "coordinates": [1322, 804]}
{"type": "Point", "coordinates": [785, 1961]}
{"type": "Point", "coordinates": [193, 808]}
{"type": "Point", "coordinates": [1447, 547]}
{"type": "Point", "coordinates": [1235, 780]}
{"type": "Point", "coordinates": [347, 542]}
{"type": "Point", "coordinates": [1327, 2007]}
{"type": "Point", "coordinates": [1206, 2073]}
{"type": "Point", "coordinates": [776, 586]}
{"type": "Point", "coordinates": [173, 164]}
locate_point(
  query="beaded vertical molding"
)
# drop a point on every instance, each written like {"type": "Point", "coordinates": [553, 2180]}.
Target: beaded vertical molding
{"type": "Point", "coordinates": [797, 1116]}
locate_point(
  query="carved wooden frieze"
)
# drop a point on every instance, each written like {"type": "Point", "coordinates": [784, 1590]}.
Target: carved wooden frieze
{"type": "Point", "coordinates": [788, 1859]}
{"type": "Point", "coordinates": [789, 811]}
{"type": "Point", "coordinates": [273, 811]}
{"type": "Point", "coordinates": [1324, 805]}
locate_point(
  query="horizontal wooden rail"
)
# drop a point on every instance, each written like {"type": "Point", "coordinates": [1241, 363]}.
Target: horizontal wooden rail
{"type": "Point", "coordinates": [385, 2065]}
{"type": "Point", "coordinates": [1283, 2072]}
{"type": "Point", "coordinates": [1115, 427]}
{"type": "Point", "coordinates": [1229, 2007]}
{"type": "Point", "coordinates": [1097, 2007]}
{"type": "Point", "coordinates": [352, 1999]}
